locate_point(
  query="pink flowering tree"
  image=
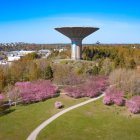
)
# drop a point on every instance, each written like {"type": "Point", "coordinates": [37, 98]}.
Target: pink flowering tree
{"type": "Point", "coordinates": [95, 86]}
{"type": "Point", "coordinates": [113, 96]}
{"type": "Point", "coordinates": [133, 105]}
{"type": "Point", "coordinates": [75, 92]}
{"type": "Point", "coordinates": [91, 88]}
{"type": "Point", "coordinates": [36, 91]}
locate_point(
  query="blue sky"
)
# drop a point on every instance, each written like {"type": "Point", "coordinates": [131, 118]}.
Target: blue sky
{"type": "Point", "coordinates": [33, 20]}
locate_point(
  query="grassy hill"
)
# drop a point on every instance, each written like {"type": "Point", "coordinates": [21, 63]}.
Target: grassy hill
{"type": "Point", "coordinates": [94, 121]}
{"type": "Point", "coordinates": [22, 120]}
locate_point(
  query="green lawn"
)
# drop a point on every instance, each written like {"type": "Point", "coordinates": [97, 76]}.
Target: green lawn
{"type": "Point", "coordinates": [18, 124]}
{"type": "Point", "coordinates": [94, 121]}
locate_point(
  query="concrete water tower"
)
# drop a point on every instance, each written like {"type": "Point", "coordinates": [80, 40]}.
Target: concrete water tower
{"type": "Point", "coordinates": [76, 34]}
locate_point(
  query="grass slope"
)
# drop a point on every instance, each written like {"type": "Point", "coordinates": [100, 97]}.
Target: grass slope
{"type": "Point", "coordinates": [94, 121]}
{"type": "Point", "coordinates": [18, 124]}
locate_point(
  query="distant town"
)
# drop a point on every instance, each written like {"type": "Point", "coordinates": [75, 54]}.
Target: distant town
{"type": "Point", "coordinates": [13, 54]}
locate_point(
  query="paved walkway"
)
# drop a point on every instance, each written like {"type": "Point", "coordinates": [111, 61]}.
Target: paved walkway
{"type": "Point", "coordinates": [34, 134]}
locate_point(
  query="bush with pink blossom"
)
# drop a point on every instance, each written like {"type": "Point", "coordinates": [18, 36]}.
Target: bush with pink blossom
{"type": "Point", "coordinates": [91, 88]}
{"type": "Point", "coordinates": [36, 91]}
{"type": "Point", "coordinates": [114, 96]}
{"type": "Point", "coordinates": [58, 105]}
{"type": "Point", "coordinates": [107, 100]}
{"type": "Point", "coordinates": [133, 105]}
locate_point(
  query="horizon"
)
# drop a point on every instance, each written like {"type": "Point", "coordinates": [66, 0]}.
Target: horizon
{"type": "Point", "coordinates": [34, 21]}
{"type": "Point", "coordinates": [69, 43]}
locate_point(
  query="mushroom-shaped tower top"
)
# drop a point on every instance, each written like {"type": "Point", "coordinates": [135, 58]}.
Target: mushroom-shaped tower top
{"type": "Point", "coordinates": [76, 32]}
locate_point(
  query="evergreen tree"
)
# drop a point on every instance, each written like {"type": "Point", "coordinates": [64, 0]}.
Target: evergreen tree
{"type": "Point", "coordinates": [95, 70]}
{"type": "Point", "coordinates": [2, 79]}
{"type": "Point", "coordinates": [34, 71]}
{"type": "Point", "coordinates": [48, 73]}
{"type": "Point", "coordinates": [131, 63]}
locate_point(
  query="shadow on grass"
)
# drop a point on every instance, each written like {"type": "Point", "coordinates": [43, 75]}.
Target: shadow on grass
{"type": "Point", "coordinates": [55, 96]}
{"type": "Point", "coordinates": [6, 112]}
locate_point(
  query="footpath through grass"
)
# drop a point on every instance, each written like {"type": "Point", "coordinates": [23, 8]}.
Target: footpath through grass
{"type": "Point", "coordinates": [18, 124]}
{"type": "Point", "coordinates": [94, 121]}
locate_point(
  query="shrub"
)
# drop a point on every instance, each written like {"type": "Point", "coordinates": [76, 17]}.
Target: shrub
{"type": "Point", "coordinates": [133, 104]}
{"type": "Point", "coordinates": [93, 71]}
{"type": "Point", "coordinates": [58, 105]}
{"type": "Point", "coordinates": [107, 100]}
{"type": "Point", "coordinates": [36, 91]}
{"type": "Point", "coordinates": [113, 96]}
{"type": "Point", "coordinates": [107, 66]}
{"type": "Point", "coordinates": [30, 56]}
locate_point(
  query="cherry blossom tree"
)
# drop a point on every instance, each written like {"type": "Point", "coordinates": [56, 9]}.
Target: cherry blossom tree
{"type": "Point", "coordinates": [113, 96]}
{"type": "Point", "coordinates": [133, 104]}
{"type": "Point", "coordinates": [36, 91]}
{"type": "Point", "coordinates": [91, 88]}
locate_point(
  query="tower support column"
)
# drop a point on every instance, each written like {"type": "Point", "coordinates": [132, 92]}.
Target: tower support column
{"type": "Point", "coordinates": [76, 48]}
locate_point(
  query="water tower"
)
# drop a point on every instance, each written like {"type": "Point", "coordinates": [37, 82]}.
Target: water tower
{"type": "Point", "coordinates": [76, 34]}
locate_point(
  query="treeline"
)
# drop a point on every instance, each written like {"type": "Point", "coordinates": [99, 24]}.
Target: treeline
{"type": "Point", "coordinates": [33, 46]}
{"type": "Point", "coordinates": [29, 68]}
{"type": "Point", "coordinates": [27, 46]}
{"type": "Point", "coordinates": [122, 56]}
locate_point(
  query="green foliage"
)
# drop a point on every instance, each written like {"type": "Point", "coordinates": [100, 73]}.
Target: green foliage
{"type": "Point", "coordinates": [16, 72]}
{"type": "Point", "coordinates": [48, 72]}
{"type": "Point", "coordinates": [79, 70]}
{"type": "Point", "coordinates": [24, 71]}
{"type": "Point", "coordinates": [106, 66]}
{"type": "Point", "coordinates": [34, 71]}
{"type": "Point", "coordinates": [2, 78]}
{"type": "Point", "coordinates": [30, 56]}
{"type": "Point", "coordinates": [131, 63]}
{"type": "Point", "coordinates": [63, 62]}
{"type": "Point", "coordinates": [122, 56]}
{"type": "Point", "coordinates": [93, 71]}
{"type": "Point", "coordinates": [117, 61]}
{"type": "Point", "coordinates": [60, 55]}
